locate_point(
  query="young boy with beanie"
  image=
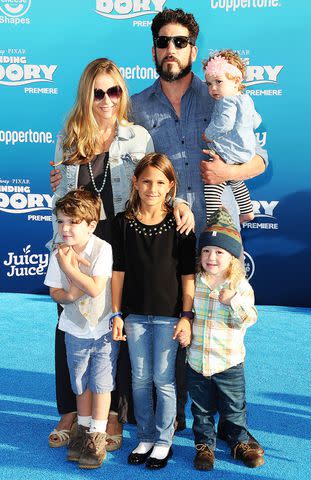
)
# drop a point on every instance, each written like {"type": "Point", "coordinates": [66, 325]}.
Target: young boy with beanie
{"type": "Point", "coordinates": [223, 310]}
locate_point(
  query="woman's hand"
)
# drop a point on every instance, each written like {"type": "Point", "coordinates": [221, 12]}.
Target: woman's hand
{"type": "Point", "coordinates": [55, 177]}
{"type": "Point", "coordinates": [184, 218]}
{"type": "Point", "coordinates": [117, 329]}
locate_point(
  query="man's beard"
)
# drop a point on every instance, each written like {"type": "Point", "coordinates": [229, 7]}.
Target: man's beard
{"type": "Point", "coordinates": [170, 76]}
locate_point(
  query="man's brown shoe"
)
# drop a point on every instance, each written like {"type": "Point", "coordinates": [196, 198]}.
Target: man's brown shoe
{"type": "Point", "coordinates": [248, 455]}
{"type": "Point", "coordinates": [94, 450]}
{"type": "Point", "coordinates": [205, 458]}
{"type": "Point", "coordinates": [76, 442]}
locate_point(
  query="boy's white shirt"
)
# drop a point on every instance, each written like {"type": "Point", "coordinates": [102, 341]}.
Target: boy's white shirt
{"type": "Point", "coordinates": [102, 268]}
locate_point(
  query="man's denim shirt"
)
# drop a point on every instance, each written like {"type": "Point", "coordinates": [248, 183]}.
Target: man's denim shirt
{"type": "Point", "coordinates": [130, 145]}
{"type": "Point", "coordinates": [180, 138]}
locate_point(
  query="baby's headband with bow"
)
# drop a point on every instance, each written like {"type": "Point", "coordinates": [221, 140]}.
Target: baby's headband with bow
{"type": "Point", "coordinates": [218, 65]}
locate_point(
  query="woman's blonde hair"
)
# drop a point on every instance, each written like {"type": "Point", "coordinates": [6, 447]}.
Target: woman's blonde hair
{"type": "Point", "coordinates": [235, 272]}
{"type": "Point", "coordinates": [234, 59]}
{"type": "Point", "coordinates": [162, 163]}
{"type": "Point", "coordinates": [81, 129]}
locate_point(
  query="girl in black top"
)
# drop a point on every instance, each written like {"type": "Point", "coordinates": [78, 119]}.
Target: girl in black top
{"type": "Point", "coordinates": [153, 282]}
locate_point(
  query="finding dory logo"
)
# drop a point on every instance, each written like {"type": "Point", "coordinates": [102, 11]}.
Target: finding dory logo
{"type": "Point", "coordinates": [14, 8]}
{"type": "Point", "coordinates": [122, 9]}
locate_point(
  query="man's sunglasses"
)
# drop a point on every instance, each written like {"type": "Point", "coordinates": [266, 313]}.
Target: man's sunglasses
{"type": "Point", "coordinates": [114, 93]}
{"type": "Point", "coordinates": [179, 41]}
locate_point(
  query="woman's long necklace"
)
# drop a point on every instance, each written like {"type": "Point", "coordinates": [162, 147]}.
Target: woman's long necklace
{"type": "Point", "coordinates": [99, 190]}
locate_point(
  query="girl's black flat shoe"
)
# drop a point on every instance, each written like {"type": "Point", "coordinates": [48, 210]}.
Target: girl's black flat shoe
{"type": "Point", "coordinates": [155, 463]}
{"type": "Point", "coordinates": [138, 458]}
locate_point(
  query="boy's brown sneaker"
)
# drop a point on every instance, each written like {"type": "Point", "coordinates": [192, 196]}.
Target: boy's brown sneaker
{"type": "Point", "coordinates": [94, 450]}
{"type": "Point", "coordinates": [248, 455]}
{"type": "Point", "coordinates": [252, 442]}
{"type": "Point", "coordinates": [205, 458]}
{"type": "Point", "coordinates": [76, 442]}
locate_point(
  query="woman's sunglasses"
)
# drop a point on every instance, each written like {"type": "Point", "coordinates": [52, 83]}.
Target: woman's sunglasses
{"type": "Point", "coordinates": [179, 41]}
{"type": "Point", "coordinates": [114, 93]}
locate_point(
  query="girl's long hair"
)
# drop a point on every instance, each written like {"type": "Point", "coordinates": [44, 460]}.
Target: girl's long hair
{"type": "Point", "coordinates": [81, 129]}
{"type": "Point", "coordinates": [162, 163]}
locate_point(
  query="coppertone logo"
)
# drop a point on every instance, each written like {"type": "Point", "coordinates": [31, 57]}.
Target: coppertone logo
{"type": "Point", "coordinates": [15, 69]}
{"type": "Point", "coordinates": [123, 9]}
{"type": "Point", "coordinates": [16, 198]}
{"type": "Point", "coordinates": [26, 263]}
{"type": "Point", "coordinates": [249, 265]}
{"type": "Point", "coordinates": [14, 8]}
{"type": "Point", "coordinates": [139, 73]}
{"type": "Point", "coordinates": [265, 218]}
{"type": "Point", "coordinates": [11, 137]}
{"type": "Point", "coordinates": [233, 5]}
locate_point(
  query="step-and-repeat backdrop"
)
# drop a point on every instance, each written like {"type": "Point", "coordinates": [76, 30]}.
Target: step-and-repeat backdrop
{"type": "Point", "coordinates": [45, 46]}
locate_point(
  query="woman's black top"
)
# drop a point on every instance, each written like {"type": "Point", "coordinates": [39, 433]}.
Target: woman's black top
{"type": "Point", "coordinates": [98, 164]}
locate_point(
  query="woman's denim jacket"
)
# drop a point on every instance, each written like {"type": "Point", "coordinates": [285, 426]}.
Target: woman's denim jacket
{"type": "Point", "coordinates": [130, 145]}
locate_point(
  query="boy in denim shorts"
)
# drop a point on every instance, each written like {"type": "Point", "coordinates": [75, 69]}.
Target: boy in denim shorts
{"type": "Point", "coordinates": [79, 277]}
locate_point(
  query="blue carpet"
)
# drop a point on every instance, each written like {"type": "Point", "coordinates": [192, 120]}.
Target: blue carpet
{"type": "Point", "coordinates": [278, 393]}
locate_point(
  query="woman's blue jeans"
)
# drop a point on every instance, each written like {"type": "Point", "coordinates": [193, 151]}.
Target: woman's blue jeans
{"type": "Point", "coordinates": [153, 357]}
{"type": "Point", "coordinates": [224, 393]}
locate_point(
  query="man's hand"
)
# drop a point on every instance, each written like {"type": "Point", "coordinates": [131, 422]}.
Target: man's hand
{"type": "Point", "coordinates": [215, 171]}
{"type": "Point", "coordinates": [55, 177]}
{"type": "Point", "coordinates": [184, 218]}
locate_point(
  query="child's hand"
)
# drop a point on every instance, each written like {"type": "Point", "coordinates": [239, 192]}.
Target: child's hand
{"type": "Point", "coordinates": [65, 257]}
{"type": "Point", "coordinates": [75, 292]}
{"type": "Point", "coordinates": [117, 329]}
{"type": "Point", "coordinates": [76, 259]}
{"type": "Point", "coordinates": [182, 332]}
{"type": "Point", "coordinates": [226, 295]}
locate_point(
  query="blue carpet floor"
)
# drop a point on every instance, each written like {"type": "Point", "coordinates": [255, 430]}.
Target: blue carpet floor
{"type": "Point", "coordinates": [278, 393]}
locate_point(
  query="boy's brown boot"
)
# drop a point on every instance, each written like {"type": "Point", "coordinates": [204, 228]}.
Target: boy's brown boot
{"type": "Point", "coordinates": [76, 442]}
{"type": "Point", "coordinates": [94, 450]}
{"type": "Point", "coordinates": [248, 455]}
{"type": "Point", "coordinates": [205, 458]}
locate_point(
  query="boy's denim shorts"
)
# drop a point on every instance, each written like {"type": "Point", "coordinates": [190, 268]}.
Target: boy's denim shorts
{"type": "Point", "coordinates": [92, 363]}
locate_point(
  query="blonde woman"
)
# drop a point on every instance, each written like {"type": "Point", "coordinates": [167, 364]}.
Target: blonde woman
{"type": "Point", "coordinates": [99, 149]}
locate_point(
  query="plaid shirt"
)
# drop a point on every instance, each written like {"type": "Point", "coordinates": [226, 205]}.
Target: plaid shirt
{"type": "Point", "coordinates": [218, 330]}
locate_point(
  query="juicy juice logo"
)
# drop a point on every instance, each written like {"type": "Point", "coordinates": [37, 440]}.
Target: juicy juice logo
{"type": "Point", "coordinates": [14, 8]}
{"type": "Point", "coordinates": [26, 264]}
{"type": "Point", "coordinates": [122, 9]}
